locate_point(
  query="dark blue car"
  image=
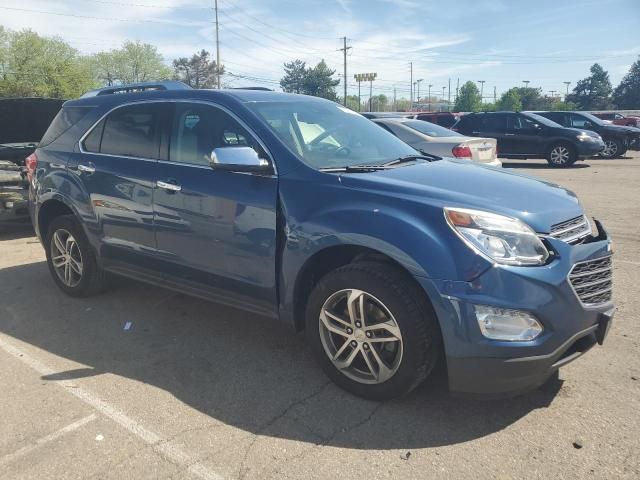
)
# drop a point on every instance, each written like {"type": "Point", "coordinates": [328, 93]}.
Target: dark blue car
{"type": "Point", "coordinates": [296, 208]}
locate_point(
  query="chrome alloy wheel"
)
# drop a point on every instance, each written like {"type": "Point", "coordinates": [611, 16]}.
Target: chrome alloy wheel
{"type": "Point", "coordinates": [360, 336]}
{"type": "Point", "coordinates": [66, 258]}
{"type": "Point", "coordinates": [559, 155]}
{"type": "Point", "coordinates": [610, 148]}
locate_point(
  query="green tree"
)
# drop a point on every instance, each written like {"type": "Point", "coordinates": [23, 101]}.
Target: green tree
{"type": "Point", "coordinates": [134, 62]}
{"type": "Point", "coordinates": [319, 81]}
{"type": "Point", "coordinates": [199, 71]}
{"type": "Point", "coordinates": [627, 94]}
{"type": "Point", "coordinates": [510, 101]}
{"type": "Point", "coordinates": [379, 102]}
{"type": "Point", "coordinates": [32, 65]}
{"type": "Point", "coordinates": [469, 99]}
{"type": "Point", "coordinates": [295, 73]}
{"type": "Point", "coordinates": [352, 102]}
{"type": "Point", "coordinates": [593, 92]}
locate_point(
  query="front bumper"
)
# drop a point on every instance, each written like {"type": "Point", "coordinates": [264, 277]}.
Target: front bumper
{"type": "Point", "coordinates": [477, 365]}
{"type": "Point", "coordinates": [589, 149]}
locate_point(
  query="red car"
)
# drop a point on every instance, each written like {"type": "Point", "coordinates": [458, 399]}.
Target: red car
{"type": "Point", "coordinates": [620, 119]}
{"type": "Point", "coordinates": [444, 119]}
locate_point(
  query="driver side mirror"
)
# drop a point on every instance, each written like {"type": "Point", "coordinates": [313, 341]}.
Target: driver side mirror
{"type": "Point", "coordinates": [238, 159]}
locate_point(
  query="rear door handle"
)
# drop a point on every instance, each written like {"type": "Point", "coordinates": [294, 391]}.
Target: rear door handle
{"type": "Point", "coordinates": [88, 168]}
{"type": "Point", "coordinates": [172, 187]}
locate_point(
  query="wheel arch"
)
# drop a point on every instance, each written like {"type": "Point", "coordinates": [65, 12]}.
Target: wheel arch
{"type": "Point", "coordinates": [50, 209]}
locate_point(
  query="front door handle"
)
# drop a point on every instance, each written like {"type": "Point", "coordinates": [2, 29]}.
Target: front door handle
{"type": "Point", "coordinates": [88, 168]}
{"type": "Point", "coordinates": [172, 187]}
{"type": "Point", "coordinates": [509, 134]}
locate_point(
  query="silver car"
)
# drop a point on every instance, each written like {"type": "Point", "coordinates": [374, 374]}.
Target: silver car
{"type": "Point", "coordinates": [433, 139]}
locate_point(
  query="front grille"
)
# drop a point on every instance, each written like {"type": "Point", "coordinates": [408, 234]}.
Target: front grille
{"type": "Point", "coordinates": [572, 230]}
{"type": "Point", "coordinates": [592, 280]}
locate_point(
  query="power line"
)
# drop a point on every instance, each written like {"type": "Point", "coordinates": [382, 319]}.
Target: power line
{"type": "Point", "coordinates": [165, 7]}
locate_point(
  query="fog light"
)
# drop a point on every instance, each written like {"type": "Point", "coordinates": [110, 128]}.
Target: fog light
{"type": "Point", "coordinates": [508, 325]}
{"type": "Point", "coordinates": [8, 205]}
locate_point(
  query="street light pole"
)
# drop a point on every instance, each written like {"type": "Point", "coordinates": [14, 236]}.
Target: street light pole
{"type": "Point", "coordinates": [418, 82]}
{"type": "Point", "coordinates": [481, 82]}
{"type": "Point", "coordinates": [526, 83]}
{"type": "Point", "coordinates": [567, 84]}
{"type": "Point", "coordinates": [430, 85]}
{"type": "Point", "coordinates": [217, 47]}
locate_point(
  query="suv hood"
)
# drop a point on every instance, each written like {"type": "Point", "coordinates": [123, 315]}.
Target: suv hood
{"type": "Point", "coordinates": [459, 183]}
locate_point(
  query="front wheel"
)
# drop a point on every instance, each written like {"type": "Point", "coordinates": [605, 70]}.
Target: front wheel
{"type": "Point", "coordinates": [561, 155]}
{"type": "Point", "coordinates": [372, 330]}
{"type": "Point", "coordinates": [612, 148]}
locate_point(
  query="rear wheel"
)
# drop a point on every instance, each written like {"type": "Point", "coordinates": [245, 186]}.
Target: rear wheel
{"type": "Point", "coordinates": [71, 259]}
{"type": "Point", "coordinates": [612, 148]}
{"type": "Point", "coordinates": [372, 330]}
{"type": "Point", "coordinates": [561, 155]}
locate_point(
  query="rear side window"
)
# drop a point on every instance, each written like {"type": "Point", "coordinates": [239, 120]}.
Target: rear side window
{"type": "Point", "coordinates": [468, 123]}
{"type": "Point", "coordinates": [92, 141]}
{"type": "Point", "coordinates": [495, 123]}
{"type": "Point", "coordinates": [66, 118]}
{"type": "Point", "coordinates": [132, 131]}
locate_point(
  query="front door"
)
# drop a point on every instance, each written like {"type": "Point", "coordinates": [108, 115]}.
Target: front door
{"type": "Point", "coordinates": [215, 230]}
{"type": "Point", "coordinates": [526, 137]}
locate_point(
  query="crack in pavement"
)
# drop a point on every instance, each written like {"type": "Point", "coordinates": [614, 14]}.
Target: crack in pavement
{"type": "Point", "coordinates": [242, 470]}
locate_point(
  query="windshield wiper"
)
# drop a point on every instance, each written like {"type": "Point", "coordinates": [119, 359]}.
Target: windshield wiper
{"type": "Point", "coordinates": [357, 168]}
{"type": "Point", "coordinates": [411, 158]}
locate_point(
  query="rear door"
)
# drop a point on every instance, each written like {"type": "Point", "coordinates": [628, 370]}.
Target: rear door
{"type": "Point", "coordinates": [117, 170]}
{"type": "Point", "coordinates": [216, 230]}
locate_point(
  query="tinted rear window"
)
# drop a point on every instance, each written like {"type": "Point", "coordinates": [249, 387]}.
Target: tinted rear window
{"type": "Point", "coordinates": [132, 131]}
{"type": "Point", "coordinates": [66, 118]}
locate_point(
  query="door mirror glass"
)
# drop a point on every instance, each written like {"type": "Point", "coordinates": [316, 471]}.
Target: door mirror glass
{"type": "Point", "coordinates": [238, 159]}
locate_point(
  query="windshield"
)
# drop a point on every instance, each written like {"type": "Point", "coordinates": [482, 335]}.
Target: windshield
{"type": "Point", "coordinates": [543, 120]}
{"type": "Point", "coordinates": [593, 119]}
{"type": "Point", "coordinates": [430, 129]}
{"type": "Point", "coordinates": [325, 134]}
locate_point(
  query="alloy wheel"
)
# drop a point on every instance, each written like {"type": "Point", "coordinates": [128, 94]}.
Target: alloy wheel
{"type": "Point", "coordinates": [610, 148]}
{"type": "Point", "coordinates": [360, 336]}
{"type": "Point", "coordinates": [66, 258]}
{"type": "Point", "coordinates": [560, 155]}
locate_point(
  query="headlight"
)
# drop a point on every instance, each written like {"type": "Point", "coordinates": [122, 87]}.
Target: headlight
{"type": "Point", "coordinates": [503, 239]}
{"type": "Point", "coordinates": [583, 137]}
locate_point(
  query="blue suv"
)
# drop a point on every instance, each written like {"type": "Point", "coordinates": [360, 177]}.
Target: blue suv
{"type": "Point", "coordinates": [296, 208]}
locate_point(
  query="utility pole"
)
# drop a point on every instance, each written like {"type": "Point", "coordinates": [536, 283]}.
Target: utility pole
{"type": "Point", "coordinates": [411, 85]}
{"type": "Point", "coordinates": [449, 96]}
{"type": "Point", "coordinates": [344, 50]}
{"type": "Point", "coordinates": [395, 107]}
{"type": "Point", "coordinates": [481, 82]}
{"type": "Point", "coordinates": [217, 47]}
{"type": "Point", "coordinates": [567, 84]}
{"type": "Point", "coordinates": [553, 93]}
{"type": "Point", "coordinates": [443, 89]}
{"type": "Point", "coordinates": [495, 99]}
{"type": "Point", "coordinates": [457, 88]}
{"type": "Point", "coordinates": [430, 85]}
{"type": "Point", "coordinates": [526, 83]}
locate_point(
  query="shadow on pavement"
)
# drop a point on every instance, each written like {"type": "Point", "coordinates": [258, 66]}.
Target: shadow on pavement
{"type": "Point", "coordinates": [246, 371]}
{"type": "Point", "coordinates": [13, 231]}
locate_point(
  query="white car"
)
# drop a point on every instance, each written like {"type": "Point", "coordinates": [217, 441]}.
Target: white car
{"type": "Point", "coordinates": [433, 139]}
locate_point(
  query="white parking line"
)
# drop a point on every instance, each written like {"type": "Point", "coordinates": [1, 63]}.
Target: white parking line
{"type": "Point", "coordinates": [46, 439]}
{"type": "Point", "coordinates": [173, 454]}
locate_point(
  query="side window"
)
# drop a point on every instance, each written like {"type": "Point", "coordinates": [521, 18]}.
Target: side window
{"type": "Point", "coordinates": [521, 123]}
{"type": "Point", "coordinates": [133, 131]}
{"type": "Point", "coordinates": [578, 121]}
{"type": "Point", "coordinates": [495, 122]}
{"type": "Point", "coordinates": [198, 129]}
{"type": "Point", "coordinates": [92, 141]}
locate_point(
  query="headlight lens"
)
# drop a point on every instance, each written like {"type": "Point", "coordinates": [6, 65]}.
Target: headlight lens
{"type": "Point", "coordinates": [503, 239]}
{"type": "Point", "coordinates": [583, 137]}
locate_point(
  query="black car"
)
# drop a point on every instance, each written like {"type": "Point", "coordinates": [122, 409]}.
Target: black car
{"type": "Point", "coordinates": [527, 135]}
{"type": "Point", "coordinates": [617, 139]}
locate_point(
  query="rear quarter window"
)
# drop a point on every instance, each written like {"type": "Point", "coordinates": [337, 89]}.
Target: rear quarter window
{"type": "Point", "coordinates": [66, 118]}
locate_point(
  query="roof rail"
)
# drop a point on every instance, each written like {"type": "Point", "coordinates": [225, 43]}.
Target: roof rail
{"type": "Point", "coordinates": [137, 87]}
{"type": "Point", "coordinates": [264, 89]}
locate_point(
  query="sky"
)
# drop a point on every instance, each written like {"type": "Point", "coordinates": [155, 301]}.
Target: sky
{"type": "Point", "coordinates": [502, 42]}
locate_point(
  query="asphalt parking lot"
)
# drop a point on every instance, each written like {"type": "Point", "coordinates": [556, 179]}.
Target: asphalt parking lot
{"type": "Point", "coordinates": [143, 383]}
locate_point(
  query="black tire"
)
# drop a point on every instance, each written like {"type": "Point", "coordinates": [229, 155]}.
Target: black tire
{"type": "Point", "coordinates": [414, 315]}
{"type": "Point", "coordinates": [613, 148]}
{"type": "Point", "coordinates": [561, 155]}
{"type": "Point", "coordinates": [93, 278]}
